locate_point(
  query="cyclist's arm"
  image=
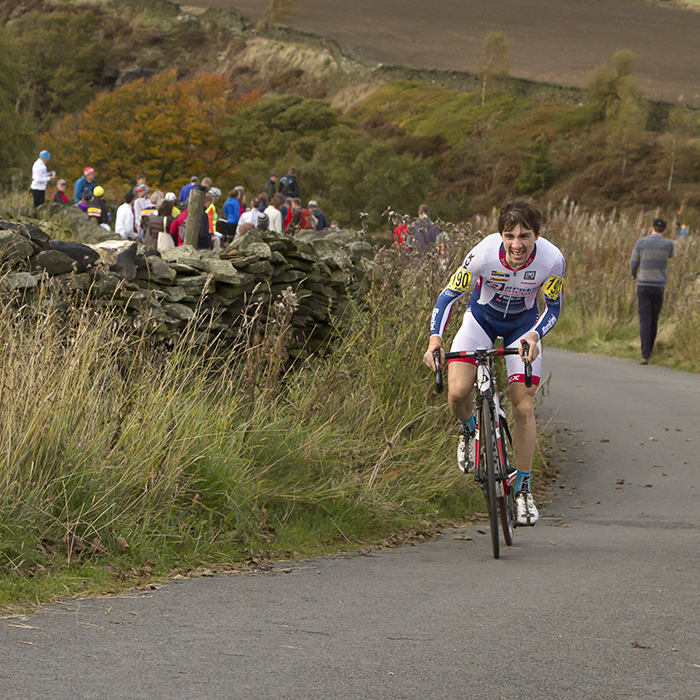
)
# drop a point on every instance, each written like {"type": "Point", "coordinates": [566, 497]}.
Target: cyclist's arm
{"type": "Point", "coordinates": [552, 289]}
{"type": "Point", "coordinates": [459, 284]}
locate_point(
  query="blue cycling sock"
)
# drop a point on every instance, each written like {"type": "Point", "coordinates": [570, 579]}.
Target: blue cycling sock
{"type": "Point", "coordinates": [523, 482]}
{"type": "Point", "coordinates": [470, 424]}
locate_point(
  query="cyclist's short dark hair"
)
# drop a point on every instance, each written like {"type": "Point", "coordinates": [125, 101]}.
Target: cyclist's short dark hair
{"type": "Point", "coordinates": [520, 211]}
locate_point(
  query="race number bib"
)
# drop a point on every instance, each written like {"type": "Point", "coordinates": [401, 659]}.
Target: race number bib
{"type": "Point", "coordinates": [460, 280]}
{"type": "Point", "coordinates": [552, 287]}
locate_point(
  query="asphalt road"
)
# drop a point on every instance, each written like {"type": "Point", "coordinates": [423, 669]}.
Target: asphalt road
{"type": "Point", "coordinates": [558, 41]}
{"type": "Point", "coordinates": [599, 601]}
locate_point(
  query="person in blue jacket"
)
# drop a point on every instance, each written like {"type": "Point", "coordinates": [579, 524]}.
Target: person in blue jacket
{"type": "Point", "coordinates": [85, 182]}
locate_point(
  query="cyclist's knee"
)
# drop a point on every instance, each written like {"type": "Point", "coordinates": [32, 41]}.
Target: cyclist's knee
{"type": "Point", "coordinates": [522, 401]}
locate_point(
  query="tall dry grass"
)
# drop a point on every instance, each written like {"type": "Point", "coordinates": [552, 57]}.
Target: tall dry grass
{"type": "Point", "coordinates": [118, 450]}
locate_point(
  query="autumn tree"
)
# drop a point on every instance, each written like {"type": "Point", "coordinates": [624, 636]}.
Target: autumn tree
{"type": "Point", "coordinates": [607, 84]}
{"type": "Point", "coordinates": [625, 127]}
{"type": "Point", "coordinates": [682, 125]}
{"type": "Point", "coordinates": [165, 127]}
{"type": "Point", "coordinates": [494, 65]}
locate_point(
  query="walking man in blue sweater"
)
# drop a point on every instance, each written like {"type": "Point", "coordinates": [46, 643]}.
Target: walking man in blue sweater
{"type": "Point", "coordinates": [649, 266]}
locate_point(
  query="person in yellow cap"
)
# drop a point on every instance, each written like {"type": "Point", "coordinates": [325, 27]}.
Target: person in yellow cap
{"type": "Point", "coordinates": [104, 216]}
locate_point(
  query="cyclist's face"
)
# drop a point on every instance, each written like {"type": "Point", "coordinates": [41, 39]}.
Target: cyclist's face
{"type": "Point", "coordinates": [519, 244]}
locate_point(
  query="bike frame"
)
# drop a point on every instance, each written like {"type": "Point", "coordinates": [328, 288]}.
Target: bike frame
{"type": "Point", "coordinates": [492, 469]}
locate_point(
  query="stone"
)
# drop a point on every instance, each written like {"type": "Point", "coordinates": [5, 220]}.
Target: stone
{"type": "Point", "coordinates": [174, 294]}
{"type": "Point", "coordinates": [35, 235]}
{"type": "Point", "coordinates": [179, 312]}
{"type": "Point", "coordinates": [84, 255]}
{"type": "Point", "coordinates": [157, 270]}
{"type": "Point", "coordinates": [54, 262]}
{"type": "Point", "coordinates": [16, 281]}
{"type": "Point", "coordinates": [125, 262]}
{"type": "Point", "coordinates": [14, 247]}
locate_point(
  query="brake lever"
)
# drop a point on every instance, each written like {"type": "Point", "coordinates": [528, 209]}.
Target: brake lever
{"type": "Point", "coordinates": [528, 365]}
{"type": "Point", "coordinates": [438, 371]}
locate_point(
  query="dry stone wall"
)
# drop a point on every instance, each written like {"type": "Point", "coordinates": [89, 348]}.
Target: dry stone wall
{"type": "Point", "coordinates": [216, 291]}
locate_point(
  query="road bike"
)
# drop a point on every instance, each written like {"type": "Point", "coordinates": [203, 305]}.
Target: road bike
{"type": "Point", "coordinates": [493, 470]}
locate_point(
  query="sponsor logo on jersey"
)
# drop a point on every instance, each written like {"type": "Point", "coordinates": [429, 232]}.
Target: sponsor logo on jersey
{"type": "Point", "coordinates": [530, 275]}
{"type": "Point", "coordinates": [496, 284]}
{"type": "Point", "coordinates": [552, 287]}
{"type": "Point", "coordinates": [499, 274]}
{"type": "Point", "coordinates": [460, 281]}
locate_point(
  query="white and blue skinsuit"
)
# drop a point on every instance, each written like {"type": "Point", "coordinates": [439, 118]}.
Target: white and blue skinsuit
{"type": "Point", "coordinates": [504, 301]}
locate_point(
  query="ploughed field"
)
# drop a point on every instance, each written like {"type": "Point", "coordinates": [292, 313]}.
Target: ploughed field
{"type": "Point", "coordinates": [557, 41]}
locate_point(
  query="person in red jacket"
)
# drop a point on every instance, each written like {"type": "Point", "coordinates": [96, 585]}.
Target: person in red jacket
{"type": "Point", "coordinates": [59, 196]}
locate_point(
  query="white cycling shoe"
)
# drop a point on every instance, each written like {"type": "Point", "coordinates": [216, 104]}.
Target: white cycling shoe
{"type": "Point", "coordinates": [466, 457]}
{"type": "Point", "coordinates": [526, 512]}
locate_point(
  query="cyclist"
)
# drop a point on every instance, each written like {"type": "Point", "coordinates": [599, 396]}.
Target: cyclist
{"type": "Point", "coordinates": [507, 270]}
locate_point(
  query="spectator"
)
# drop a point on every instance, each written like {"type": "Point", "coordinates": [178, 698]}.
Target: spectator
{"type": "Point", "coordinates": [274, 214]}
{"type": "Point", "coordinates": [271, 186]}
{"type": "Point", "coordinates": [171, 197]}
{"type": "Point", "coordinates": [140, 180]}
{"type": "Point", "coordinates": [40, 178]}
{"type": "Point", "coordinates": [60, 196]}
{"type": "Point", "coordinates": [207, 183]}
{"type": "Point", "coordinates": [334, 226]}
{"type": "Point", "coordinates": [286, 210]}
{"type": "Point", "coordinates": [185, 191]}
{"type": "Point", "coordinates": [86, 201]}
{"type": "Point", "coordinates": [321, 219]}
{"type": "Point", "coordinates": [140, 203]}
{"type": "Point", "coordinates": [263, 223]}
{"type": "Point", "coordinates": [422, 232]}
{"type": "Point", "coordinates": [85, 182]}
{"type": "Point", "coordinates": [210, 200]}
{"type": "Point", "coordinates": [156, 198]}
{"type": "Point", "coordinates": [250, 216]}
{"type": "Point", "coordinates": [159, 223]}
{"type": "Point", "coordinates": [232, 213]}
{"type": "Point", "coordinates": [264, 201]}
{"type": "Point", "coordinates": [124, 224]}
{"type": "Point", "coordinates": [289, 185]}
{"type": "Point", "coordinates": [649, 266]}
{"type": "Point", "coordinates": [177, 227]}
{"type": "Point", "coordinates": [302, 219]}
{"type": "Point", "coordinates": [205, 239]}
{"type": "Point", "coordinates": [241, 198]}
{"type": "Point", "coordinates": [400, 233]}
{"type": "Point", "coordinates": [99, 203]}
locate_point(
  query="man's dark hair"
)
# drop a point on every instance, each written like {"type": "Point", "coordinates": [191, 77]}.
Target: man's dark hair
{"type": "Point", "coordinates": [256, 203]}
{"type": "Point", "coordinates": [520, 211]}
{"type": "Point", "coordinates": [129, 197]}
{"type": "Point", "coordinates": [423, 209]}
{"type": "Point", "coordinates": [292, 171]}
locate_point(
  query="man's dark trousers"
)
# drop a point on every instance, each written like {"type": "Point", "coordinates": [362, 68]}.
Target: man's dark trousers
{"type": "Point", "coordinates": [650, 300]}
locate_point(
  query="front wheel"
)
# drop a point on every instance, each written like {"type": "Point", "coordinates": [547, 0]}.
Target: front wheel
{"type": "Point", "coordinates": [487, 442]}
{"type": "Point", "coordinates": [506, 502]}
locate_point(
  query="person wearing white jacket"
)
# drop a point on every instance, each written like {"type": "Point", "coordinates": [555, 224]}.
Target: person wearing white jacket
{"type": "Point", "coordinates": [40, 178]}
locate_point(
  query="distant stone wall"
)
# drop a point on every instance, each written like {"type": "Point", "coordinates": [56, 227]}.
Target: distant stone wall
{"type": "Point", "coordinates": [217, 291]}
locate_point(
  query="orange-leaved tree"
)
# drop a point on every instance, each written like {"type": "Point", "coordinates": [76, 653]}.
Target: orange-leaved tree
{"type": "Point", "coordinates": [164, 127]}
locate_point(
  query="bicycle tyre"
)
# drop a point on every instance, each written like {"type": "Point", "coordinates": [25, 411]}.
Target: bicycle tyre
{"type": "Point", "coordinates": [506, 503]}
{"type": "Point", "coordinates": [490, 485]}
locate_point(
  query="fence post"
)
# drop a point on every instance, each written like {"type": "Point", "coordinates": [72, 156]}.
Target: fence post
{"type": "Point", "coordinates": [195, 209]}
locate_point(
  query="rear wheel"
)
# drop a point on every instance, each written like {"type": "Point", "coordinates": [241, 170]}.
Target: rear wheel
{"type": "Point", "coordinates": [490, 485]}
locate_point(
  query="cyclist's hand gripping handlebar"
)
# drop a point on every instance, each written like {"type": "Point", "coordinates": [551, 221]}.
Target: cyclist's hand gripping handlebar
{"type": "Point", "coordinates": [528, 367]}
{"type": "Point", "coordinates": [438, 371]}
